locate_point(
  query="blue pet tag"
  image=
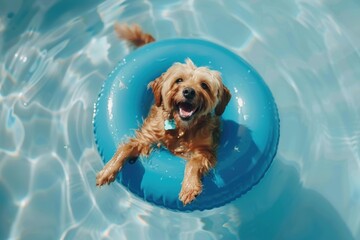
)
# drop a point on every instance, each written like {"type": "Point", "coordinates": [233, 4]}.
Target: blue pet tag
{"type": "Point", "coordinates": [170, 124]}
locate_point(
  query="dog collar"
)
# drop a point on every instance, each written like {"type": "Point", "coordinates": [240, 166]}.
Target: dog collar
{"type": "Point", "coordinates": [169, 124]}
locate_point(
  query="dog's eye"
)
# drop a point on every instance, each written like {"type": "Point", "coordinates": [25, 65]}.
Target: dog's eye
{"type": "Point", "coordinates": [204, 86]}
{"type": "Point", "coordinates": [179, 80]}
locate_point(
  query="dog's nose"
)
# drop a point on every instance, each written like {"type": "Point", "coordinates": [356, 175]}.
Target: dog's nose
{"type": "Point", "coordinates": [189, 93]}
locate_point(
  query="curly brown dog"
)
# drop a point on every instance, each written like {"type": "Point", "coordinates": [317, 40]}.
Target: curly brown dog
{"type": "Point", "coordinates": [185, 119]}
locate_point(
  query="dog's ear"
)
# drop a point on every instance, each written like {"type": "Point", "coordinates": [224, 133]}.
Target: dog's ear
{"type": "Point", "coordinates": [156, 86]}
{"type": "Point", "coordinates": [225, 97]}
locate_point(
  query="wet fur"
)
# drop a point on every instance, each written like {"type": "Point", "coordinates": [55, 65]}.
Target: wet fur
{"type": "Point", "coordinates": [195, 140]}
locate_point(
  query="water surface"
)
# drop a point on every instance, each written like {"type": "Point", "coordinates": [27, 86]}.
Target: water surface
{"type": "Point", "coordinates": [54, 57]}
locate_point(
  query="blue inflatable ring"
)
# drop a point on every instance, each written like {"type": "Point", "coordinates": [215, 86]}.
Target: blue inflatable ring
{"type": "Point", "coordinates": [250, 125]}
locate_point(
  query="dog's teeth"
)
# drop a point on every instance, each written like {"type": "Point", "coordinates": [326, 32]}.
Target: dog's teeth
{"type": "Point", "coordinates": [185, 113]}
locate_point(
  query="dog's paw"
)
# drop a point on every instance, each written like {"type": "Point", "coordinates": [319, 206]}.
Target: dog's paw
{"type": "Point", "coordinates": [189, 192]}
{"type": "Point", "coordinates": [105, 177]}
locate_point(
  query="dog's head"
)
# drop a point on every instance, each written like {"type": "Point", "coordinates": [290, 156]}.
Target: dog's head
{"type": "Point", "coordinates": [189, 92]}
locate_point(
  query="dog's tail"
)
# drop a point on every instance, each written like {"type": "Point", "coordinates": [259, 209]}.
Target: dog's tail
{"type": "Point", "coordinates": [133, 33]}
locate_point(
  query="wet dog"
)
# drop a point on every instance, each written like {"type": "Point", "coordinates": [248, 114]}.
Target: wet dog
{"type": "Point", "coordinates": [185, 118]}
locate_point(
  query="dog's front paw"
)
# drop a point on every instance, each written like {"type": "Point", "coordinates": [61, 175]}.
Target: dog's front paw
{"type": "Point", "coordinates": [105, 177]}
{"type": "Point", "coordinates": [189, 191]}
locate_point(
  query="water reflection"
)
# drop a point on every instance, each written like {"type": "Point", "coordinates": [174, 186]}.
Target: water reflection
{"type": "Point", "coordinates": [280, 207]}
{"type": "Point", "coordinates": [50, 75]}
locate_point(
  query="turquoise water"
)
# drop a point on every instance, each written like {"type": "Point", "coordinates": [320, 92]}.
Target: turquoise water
{"type": "Point", "coordinates": [54, 57]}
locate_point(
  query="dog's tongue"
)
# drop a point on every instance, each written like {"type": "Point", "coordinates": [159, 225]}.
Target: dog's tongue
{"type": "Point", "coordinates": [186, 110]}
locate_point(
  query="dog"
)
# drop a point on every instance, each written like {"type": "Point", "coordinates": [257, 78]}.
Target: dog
{"type": "Point", "coordinates": [185, 119]}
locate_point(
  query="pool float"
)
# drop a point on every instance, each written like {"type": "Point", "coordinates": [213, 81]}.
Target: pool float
{"type": "Point", "coordinates": [250, 125]}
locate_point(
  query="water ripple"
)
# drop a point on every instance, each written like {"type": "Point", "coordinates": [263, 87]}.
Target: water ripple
{"type": "Point", "coordinates": [55, 58]}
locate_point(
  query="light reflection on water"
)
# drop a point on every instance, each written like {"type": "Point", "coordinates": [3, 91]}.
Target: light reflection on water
{"type": "Point", "coordinates": [54, 57]}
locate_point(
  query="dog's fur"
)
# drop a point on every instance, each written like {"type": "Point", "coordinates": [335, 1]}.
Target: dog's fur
{"type": "Point", "coordinates": [133, 34]}
{"type": "Point", "coordinates": [194, 98]}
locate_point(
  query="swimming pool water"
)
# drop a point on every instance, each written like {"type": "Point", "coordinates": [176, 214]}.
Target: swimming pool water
{"type": "Point", "coordinates": [54, 57]}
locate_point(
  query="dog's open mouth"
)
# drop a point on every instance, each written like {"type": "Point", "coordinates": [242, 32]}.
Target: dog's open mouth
{"type": "Point", "coordinates": [186, 110]}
